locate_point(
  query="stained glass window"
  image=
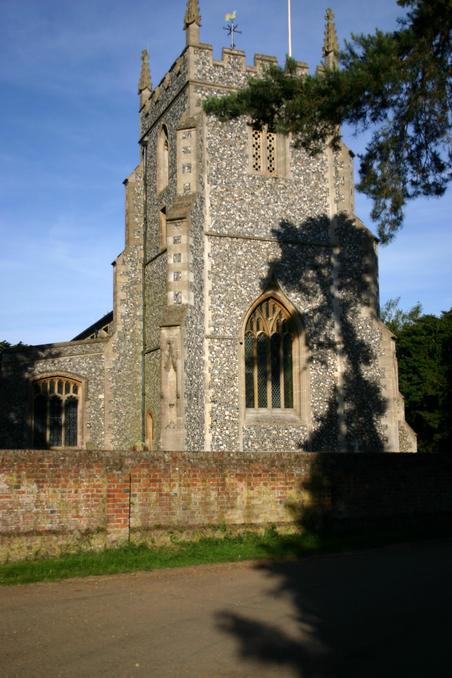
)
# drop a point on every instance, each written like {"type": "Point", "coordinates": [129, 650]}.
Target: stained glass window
{"type": "Point", "coordinates": [55, 413]}
{"type": "Point", "coordinates": [268, 357]}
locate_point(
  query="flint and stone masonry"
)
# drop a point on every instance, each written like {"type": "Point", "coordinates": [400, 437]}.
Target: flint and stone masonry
{"type": "Point", "coordinates": [223, 221]}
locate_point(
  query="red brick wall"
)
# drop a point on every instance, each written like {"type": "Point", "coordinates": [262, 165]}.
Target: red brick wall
{"type": "Point", "coordinates": [54, 501]}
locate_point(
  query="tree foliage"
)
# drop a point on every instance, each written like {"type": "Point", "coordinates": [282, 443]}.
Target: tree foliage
{"type": "Point", "coordinates": [397, 319]}
{"type": "Point", "coordinates": [424, 350]}
{"type": "Point", "coordinates": [5, 344]}
{"type": "Point", "coordinates": [397, 84]}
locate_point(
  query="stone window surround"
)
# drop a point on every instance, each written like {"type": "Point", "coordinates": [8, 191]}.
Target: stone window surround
{"type": "Point", "coordinates": [300, 414]}
{"type": "Point", "coordinates": [82, 400]}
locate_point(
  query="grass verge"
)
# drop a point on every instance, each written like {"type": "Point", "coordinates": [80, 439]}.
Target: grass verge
{"type": "Point", "coordinates": [248, 546]}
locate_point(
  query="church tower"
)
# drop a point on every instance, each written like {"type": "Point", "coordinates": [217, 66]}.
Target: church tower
{"type": "Point", "coordinates": [261, 325]}
{"type": "Point", "coordinates": [245, 311]}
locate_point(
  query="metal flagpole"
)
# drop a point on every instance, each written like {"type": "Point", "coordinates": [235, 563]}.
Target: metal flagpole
{"type": "Point", "coordinates": [289, 26]}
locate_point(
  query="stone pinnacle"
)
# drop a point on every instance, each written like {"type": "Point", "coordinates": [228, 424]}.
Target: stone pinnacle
{"type": "Point", "coordinates": [330, 44]}
{"type": "Point", "coordinates": [145, 81]}
{"type": "Point", "coordinates": [192, 15]}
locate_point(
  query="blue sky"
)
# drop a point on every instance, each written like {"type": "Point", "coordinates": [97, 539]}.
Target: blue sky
{"type": "Point", "coordinates": [68, 138]}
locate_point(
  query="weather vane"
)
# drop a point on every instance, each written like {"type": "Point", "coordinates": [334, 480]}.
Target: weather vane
{"type": "Point", "coordinates": [232, 27]}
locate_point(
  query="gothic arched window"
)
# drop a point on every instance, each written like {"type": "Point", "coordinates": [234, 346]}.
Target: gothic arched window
{"type": "Point", "coordinates": [56, 403]}
{"type": "Point", "coordinates": [269, 339]}
{"type": "Point", "coordinates": [162, 159]}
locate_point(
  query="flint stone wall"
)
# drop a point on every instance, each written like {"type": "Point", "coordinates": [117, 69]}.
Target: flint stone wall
{"type": "Point", "coordinates": [84, 359]}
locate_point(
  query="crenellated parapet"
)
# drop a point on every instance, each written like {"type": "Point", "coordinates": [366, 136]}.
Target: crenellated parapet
{"type": "Point", "coordinates": [197, 67]}
{"type": "Point", "coordinates": [232, 70]}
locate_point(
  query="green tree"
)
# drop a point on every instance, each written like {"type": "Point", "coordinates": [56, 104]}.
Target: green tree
{"type": "Point", "coordinates": [5, 344]}
{"type": "Point", "coordinates": [424, 350]}
{"type": "Point", "coordinates": [398, 84]}
{"type": "Point", "coordinates": [395, 318]}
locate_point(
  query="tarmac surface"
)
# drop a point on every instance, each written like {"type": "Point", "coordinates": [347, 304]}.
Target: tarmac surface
{"type": "Point", "coordinates": [380, 612]}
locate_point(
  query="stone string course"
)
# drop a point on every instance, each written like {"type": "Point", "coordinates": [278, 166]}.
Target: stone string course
{"type": "Point", "coordinates": [56, 502]}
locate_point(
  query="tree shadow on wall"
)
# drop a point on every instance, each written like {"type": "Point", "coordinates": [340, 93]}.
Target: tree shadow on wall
{"type": "Point", "coordinates": [16, 397]}
{"type": "Point", "coordinates": [329, 267]}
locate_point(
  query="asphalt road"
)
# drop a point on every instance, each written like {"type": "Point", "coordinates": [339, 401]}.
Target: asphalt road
{"type": "Point", "coordinates": [381, 612]}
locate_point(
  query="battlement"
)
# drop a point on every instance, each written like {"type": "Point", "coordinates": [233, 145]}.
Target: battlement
{"type": "Point", "coordinates": [236, 59]}
{"type": "Point", "coordinates": [197, 65]}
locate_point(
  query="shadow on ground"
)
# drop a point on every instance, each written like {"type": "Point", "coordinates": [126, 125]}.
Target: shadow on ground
{"type": "Point", "coordinates": [382, 612]}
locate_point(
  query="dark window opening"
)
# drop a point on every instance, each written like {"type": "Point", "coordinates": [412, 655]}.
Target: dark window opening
{"type": "Point", "coordinates": [55, 413]}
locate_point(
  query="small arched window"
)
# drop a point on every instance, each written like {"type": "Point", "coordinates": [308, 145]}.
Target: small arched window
{"type": "Point", "coordinates": [269, 341]}
{"type": "Point", "coordinates": [56, 412]}
{"type": "Point", "coordinates": [162, 159]}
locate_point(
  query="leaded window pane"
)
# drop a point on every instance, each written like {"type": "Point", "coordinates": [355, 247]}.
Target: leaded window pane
{"type": "Point", "coordinates": [40, 422]}
{"type": "Point", "coordinates": [70, 422]}
{"type": "Point", "coordinates": [268, 357]}
{"type": "Point", "coordinates": [249, 370]}
{"type": "Point", "coordinates": [55, 421]}
{"type": "Point", "coordinates": [276, 370]}
{"type": "Point", "coordinates": [55, 412]}
{"type": "Point", "coordinates": [288, 372]}
{"type": "Point", "coordinates": [262, 341]}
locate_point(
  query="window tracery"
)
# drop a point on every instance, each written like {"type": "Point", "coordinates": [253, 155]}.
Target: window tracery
{"type": "Point", "coordinates": [268, 357]}
{"type": "Point", "coordinates": [56, 412]}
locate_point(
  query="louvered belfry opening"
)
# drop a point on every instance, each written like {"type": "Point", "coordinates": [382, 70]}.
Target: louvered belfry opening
{"type": "Point", "coordinates": [263, 152]}
{"type": "Point", "coordinates": [268, 357]}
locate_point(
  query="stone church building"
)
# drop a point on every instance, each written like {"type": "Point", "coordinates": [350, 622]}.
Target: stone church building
{"type": "Point", "coordinates": [245, 304]}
